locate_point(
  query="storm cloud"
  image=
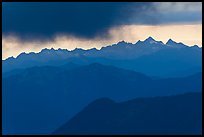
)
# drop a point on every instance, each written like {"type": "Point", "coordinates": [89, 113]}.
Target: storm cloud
{"type": "Point", "coordinates": [38, 20]}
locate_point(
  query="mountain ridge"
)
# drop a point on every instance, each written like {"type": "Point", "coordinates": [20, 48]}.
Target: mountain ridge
{"type": "Point", "coordinates": [61, 93]}
{"type": "Point", "coordinates": [148, 41]}
{"type": "Point", "coordinates": [138, 57]}
{"type": "Point", "coordinates": [177, 114]}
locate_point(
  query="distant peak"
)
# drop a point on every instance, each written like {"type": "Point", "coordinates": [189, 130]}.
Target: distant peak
{"type": "Point", "coordinates": [122, 43]}
{"type": "Point", "coordinates": [92, 49]}
{"type": "Point", "coordinates": [10, 58]}
{"type": "Point", "coordinates": [138, 42]}
{"type": "Point", "coordinates": [45, 49]}
{"type": "Point", "coordinates": [59, 49]}
{"type": "Point", "coordinates": [149, 39]}
{"type": "Point", "coordinates": [78, 49]}
{"type": "Point", "coordinates": [170, 41]}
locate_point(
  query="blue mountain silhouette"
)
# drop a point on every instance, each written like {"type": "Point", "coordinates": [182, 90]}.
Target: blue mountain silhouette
{"type": "Point", "coordinates": [39, 99]}
{"type": "Point", "coordinates": [169, 115]}
{"type": "Point", "coordinates": [41, 91]}
{"type": "Point", "coordinates": [150, 57]}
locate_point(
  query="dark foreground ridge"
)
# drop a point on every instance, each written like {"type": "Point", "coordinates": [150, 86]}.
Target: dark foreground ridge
{"type": "Point", "coordinates": [170, 115]}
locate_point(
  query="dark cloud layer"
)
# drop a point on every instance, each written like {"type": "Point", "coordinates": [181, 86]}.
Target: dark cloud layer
{"type": "Point", "coordinates": [89, 19]}
{"type": "Point", "coordinates": [47, 19]}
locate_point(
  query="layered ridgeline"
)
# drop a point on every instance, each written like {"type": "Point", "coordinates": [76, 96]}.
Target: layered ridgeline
{"type": "Point", "coordinates": [39, 100]}
{"type": "Point", "coordinates": [170, 115]}
{"type": "Point", "coordinates": [150, 57]}
{"type": "Point", "coordinates": [42, 91]}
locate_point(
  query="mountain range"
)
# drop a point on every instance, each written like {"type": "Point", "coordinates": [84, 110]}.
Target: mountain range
{"type": "Point", "coordinates": [49, 92]}
{"type": "Point", "coordinates": [166, 60]}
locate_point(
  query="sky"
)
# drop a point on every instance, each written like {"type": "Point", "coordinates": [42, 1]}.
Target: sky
{"type": "Point", "coordinates": [33, 26]}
